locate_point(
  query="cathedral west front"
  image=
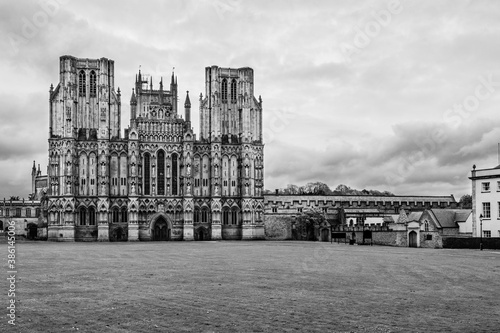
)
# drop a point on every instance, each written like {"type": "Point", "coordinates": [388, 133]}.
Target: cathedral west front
{"type": "Point", "coordinates": [158, 181]}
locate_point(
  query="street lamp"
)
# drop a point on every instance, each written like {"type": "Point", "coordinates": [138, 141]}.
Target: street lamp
{"type": "Point", "coordinates": [481, 232]}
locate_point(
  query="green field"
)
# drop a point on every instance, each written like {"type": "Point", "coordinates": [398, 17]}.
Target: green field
{"type": "Point", "coordinates": [253, 287]}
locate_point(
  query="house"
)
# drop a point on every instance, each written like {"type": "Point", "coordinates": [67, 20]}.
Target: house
{"type": "Point", "coordinates": [485, 202]}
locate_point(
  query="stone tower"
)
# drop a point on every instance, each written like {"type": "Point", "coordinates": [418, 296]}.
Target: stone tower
{"type": "Point", "coordinates": [158, 182]}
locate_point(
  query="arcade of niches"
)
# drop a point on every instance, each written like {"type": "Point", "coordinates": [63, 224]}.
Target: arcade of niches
{"type": "Point", "coordinates": [158, 182]}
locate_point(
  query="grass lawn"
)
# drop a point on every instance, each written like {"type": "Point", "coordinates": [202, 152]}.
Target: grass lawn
{"type": "Point", "coordinates": [252, 287]}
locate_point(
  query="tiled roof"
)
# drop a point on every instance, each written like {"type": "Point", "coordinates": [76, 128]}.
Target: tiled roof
{"type": "Point", "coordinates": [448, 218]}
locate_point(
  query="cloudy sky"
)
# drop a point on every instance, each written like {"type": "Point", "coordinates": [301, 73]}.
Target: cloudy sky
{"type": "Point", "coordinates": [399, 96]}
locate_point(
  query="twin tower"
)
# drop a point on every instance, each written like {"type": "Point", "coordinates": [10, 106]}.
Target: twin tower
{"type": "Point", "coordinates": [159, 182]}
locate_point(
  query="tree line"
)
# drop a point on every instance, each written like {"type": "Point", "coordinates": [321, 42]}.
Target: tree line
{"type": "Point", "coordinates": [319, 188]}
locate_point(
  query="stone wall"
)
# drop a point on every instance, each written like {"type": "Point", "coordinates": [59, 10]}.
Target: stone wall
{"type": "Point", "coordinates": [86, 233]}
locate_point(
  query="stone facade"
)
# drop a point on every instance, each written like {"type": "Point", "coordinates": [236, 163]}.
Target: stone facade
{"type": "Point", "coordinates": [158, 182]}
{"type": "Point", "coordinates": [26, 215]}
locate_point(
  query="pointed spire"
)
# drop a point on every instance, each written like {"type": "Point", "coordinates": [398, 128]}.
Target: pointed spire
{"type": "Point", "coordinates": [172, 80]}
{"type": "Point", "coordinates": [187, 103]}
{"type": "Point", "coordinates": [151, 82]}
{"type": "Point", "coordinates": [133, 99]}
{"type": "Point", "coordinates": [161, 83]}
{"type": "Point", "coordinates": [33, 169]}
{"type": "Point", "coordinates": [39, 172]}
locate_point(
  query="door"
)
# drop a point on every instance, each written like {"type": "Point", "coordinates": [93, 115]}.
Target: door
{"type": "Point", "coordinates": [324, 235]}
{"type": "Point", "coordinates": [32, 231]}
{"type": "Point", "coordinates": [412, 239]}
{"type": "Point", "coordinates": [160, 230]}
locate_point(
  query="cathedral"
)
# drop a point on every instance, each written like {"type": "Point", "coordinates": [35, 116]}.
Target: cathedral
{"type": "Point", "coordinates": [158, 181]}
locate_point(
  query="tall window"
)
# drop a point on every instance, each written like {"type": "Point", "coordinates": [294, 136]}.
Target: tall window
{"type": "Point", "coordinates": [174, 174]}
{"type": "Point", "coordinates": [28, 212]}
{"type": "Point", "coordinates": [91, 216]}
{"type": "Point", "coordinates": [486, 210]}
{"type": "Point", "coordinates": [81, 84]}
{"type": "Point", "coordinates": [124, 215]}
{"type": "Point", "coordinates": [204, 215]}
{"type": "Point", "coordinates": [93, 85]}
{"type": "Point", "coordinates": [147, 165]}
{"type": "Point", "coordinates": [83, 216]}
{"type": "Point", "coordinates": [233, 91]}
{"type": "Point", "coordinates": [234, 216]}
{"type": "Point", "coordinates": [115, 215]}
{"type": "Point", "coordinates": [161, 173]}
{"type": "Point", "coordinates": [224, 90]}
{"type": "Point", "coordinates": [426, 225]}
{"type": "Point", "coordinates": [196, 215]}
{"type": "Point", "coordinates": [18, 212]}
{"type": "Point", "coordinates": [225, 216]}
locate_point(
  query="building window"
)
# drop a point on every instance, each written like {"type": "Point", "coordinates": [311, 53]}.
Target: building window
{"type": "Point", "coordinates": [93, 85]}
{"type": "Point", "coordinates": [498, 186]}
{"type": "Point", "coordinates": [38, 212]}
{"type": "Point", "coordinates": [204, 215]}
{"type": "Point", "coordinates": [147, 166]}
{"type": "Point", "coordinates": [428, 237]}
{"type": "Point", "coordinates": [225, 216]}
{"type": "Point", "coordinates": [275, 209]}
{"type": "Point", "coordinates": [234, 216]}
{"type": "Point", "coordinates": [486, 210]}
{"type": "Point", "coordinates": [18, 212]}
{"type": "Point", "coordinates": [426, 225]}
{"type": "Point", "coordinates": [28, 212]}
{"type": "Point", "coordinates": [486, 233]}
{"type": "Point", "coordinates": [7, 212]}
{"type": "Point", "coordinates": [81, 84]}
{"type": "Point", "coordinates": [485, 187]}
{"type": "Point", "coordinates": [83, 216]}
{"type": "Point", "coordinates": [233, 91]}
{"type": "Point", "coordinates": [115, 215]}
{"type": "Point", "coordinates": [91, 216]}
{"type": "Point", "coordinates": [224, 90]}
{"type": "Point", "coordinates": [174, 174]}
{"type": "Point", "coordinates": [196, 215]}
{"type": "Point", "coordinates": [299, 209]}
{"type": "Point", "coordinates": [161, 173]}
{"type": "Point", "coordinates": [325, 209]}
{"type": "Point", "coordinates": [124, 215]}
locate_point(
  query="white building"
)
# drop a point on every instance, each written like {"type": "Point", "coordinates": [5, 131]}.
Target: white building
{"type": "Point", "coordinates": [486, 202]}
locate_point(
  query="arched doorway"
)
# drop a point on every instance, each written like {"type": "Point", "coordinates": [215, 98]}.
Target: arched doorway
{"type": "Point", "coordinates": [161, 231]}
{"type": "Point", "coordinates": [32, 231]}
{"type": "Point", "coordinates": [412, 239]}
{"type": "Point", "coordinates": [119, 235]}
{"type": "Point", "coordinates": [201, 234]}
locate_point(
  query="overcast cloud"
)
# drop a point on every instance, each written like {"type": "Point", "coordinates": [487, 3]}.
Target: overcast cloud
{"type": "Point", "coordinates": [382, 110]}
